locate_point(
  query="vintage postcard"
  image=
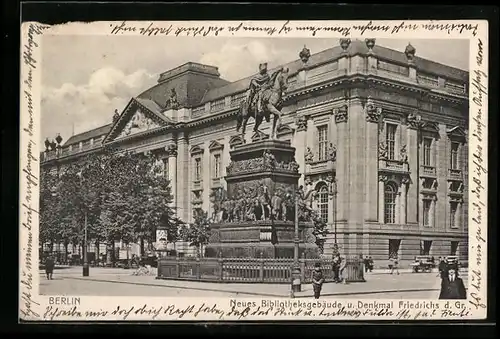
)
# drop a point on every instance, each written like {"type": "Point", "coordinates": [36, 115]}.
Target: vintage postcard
{"type": "Point", "coordinates": [267, 170]}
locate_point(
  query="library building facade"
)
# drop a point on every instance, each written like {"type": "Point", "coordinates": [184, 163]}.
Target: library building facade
{"type": "Point", "coordinates": [380, 135]}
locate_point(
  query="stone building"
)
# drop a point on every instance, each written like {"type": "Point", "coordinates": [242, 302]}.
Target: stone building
{"type": "Point", "coordinates": [380, 134]}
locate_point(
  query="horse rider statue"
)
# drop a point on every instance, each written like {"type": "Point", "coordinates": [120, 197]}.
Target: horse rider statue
{"type": "Point", "coordinates": [258, 83]}
{"type": "Point", "coordinates": [264, 98]}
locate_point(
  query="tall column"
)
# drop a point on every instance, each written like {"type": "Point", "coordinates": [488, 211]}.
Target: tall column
{"type": "Point", "coordinates": [357, 172]}
{"type": "Point", "coordinates": [442, 164]}
{"type": "Point", "coordinates": [403, 201]}
{"type": "Point", "coordinates": [373, 117]}
{"type": "Point", "coordinates": [381, 183]}
{"type": "Point", "coordinates": [341, 119]}
{"type": "Point", "coordinates": [206, 175]}
{"type": "Point", "coordinates": [413, 151]}
{"type": "Point", "coordinates": [182, 176]}
{"type": "Point", "coordinates": [299, 142]}
{"type": "Point", "coordinates": [172, 173]}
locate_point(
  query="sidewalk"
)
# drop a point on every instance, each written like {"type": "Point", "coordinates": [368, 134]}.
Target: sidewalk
{"type": "Point", "coordinates": [377, 283]}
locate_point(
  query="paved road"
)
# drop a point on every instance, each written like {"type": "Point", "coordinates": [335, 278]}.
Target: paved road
{"type": "Point", "coordinates": [119, 282]}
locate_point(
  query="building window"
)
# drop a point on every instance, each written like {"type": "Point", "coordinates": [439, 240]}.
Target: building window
{"type": "Point", "coordinates": [165, 168]}
{"type": "Point", "coordinates": [216, 166]}
{"type": "Point", "coordinates": [323, 203]}
{"type": "Point", "coordinates": [197, 169]}
{"type": "Point", "coordinates": [427, 212]}
{"type": "Point", "coordinates": [427, 152]}
{"type": "Point", "coordinates": [454, 248]}
{"type": "Point", "coordinates": [390, 194]}
{"type": "Point", "coordinates": [425, 247]}
{"type": "Point", "coordinates": [390, 140]}
{"type": "Point", "coordinates": [394, 245]}
{"type": "Point", "coordinates": [454, 155]}
{"type": "Point", "coordinates": [453, 214]}
{"type": "Point", "coordinates": [322, 142]}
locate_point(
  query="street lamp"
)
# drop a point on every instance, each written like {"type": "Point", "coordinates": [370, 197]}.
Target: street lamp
{"type": "Point", "coordinates": [85, 270]}
{"type": "Point", "coordinates": [296, 284]}
{"type": "Point", "coordinates": [85, 254]}
{"type": "Point", "coordinates": [335, 209]}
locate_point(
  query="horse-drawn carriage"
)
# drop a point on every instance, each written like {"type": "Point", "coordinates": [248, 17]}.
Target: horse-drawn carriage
{"type": "Point", "coordinates": [423, 263]}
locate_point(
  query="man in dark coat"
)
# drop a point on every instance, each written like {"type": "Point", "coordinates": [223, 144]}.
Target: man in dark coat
{"type": "Point", "coordinates": [49, 267]}
{"type": "Point", "coordinates": [452, 287]}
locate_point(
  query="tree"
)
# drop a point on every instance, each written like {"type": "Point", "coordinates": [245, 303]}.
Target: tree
{"type": "Point", "coordinates": [122, 196]}
{"type": "Point", "coordinates": [198, 233]}
{"type": "Point", "coordinates": [50, 207]}
{"type": "Point", "coordinates": [141, 199]}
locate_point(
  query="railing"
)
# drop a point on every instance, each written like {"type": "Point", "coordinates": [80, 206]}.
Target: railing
{"type": "Point", "coordinates": [455, 173]}
{"type": "Point", "coordinates": [253, 270]}
{"type": "Point", "coordinates": [329, 71]}
{"type": "Point", "coordinates": [217, 105]}
{"type": "Point", "coordinates": [216, 182]}
{"type": "Point", "coordinates": [454, 87]}
{"type": "Point", "coordinates": [427, 80]}
{"type": "Point", "coordinates": [429, 170]}
{"type": "Point", "coordinates": [197, 184]}
{"type": "Point", "coordinates": [198, 111]}
{"type": "Point", "coordinates": [396, 165]}
{"type": "Point", "coordinates": [237, 99]}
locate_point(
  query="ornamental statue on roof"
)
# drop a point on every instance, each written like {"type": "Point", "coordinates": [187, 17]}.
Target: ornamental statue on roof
{"type": "Point", "coordinates": [172, 102]}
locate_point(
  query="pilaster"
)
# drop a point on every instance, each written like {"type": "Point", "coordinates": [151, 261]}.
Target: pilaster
{"type": "Point", "coordinates": [371, 162]}
{"type": "Point", "coordinates": [183, 175]}
{"type": "Point", "coordinates": [299, 142]}
{"type": "Point", "coordinates": [357, 146]}
{"type": "Point", "coordinates": [442, 208]}
{"type": "Point", "coordinates": [342, 166]}
{"type": "Point", "coordinates": [414, 186]}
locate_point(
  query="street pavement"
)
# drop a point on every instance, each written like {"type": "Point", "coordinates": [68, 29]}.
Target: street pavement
{"type": "Point", "coordinates": [121, 282]}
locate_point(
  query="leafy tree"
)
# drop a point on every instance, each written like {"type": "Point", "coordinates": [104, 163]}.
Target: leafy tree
{"type": "Point", "coordinates": [50, 207]}
{"type": "Point", "coordinates": [198, 233]}
{"type": "Point", "coordinates": [122, 196]}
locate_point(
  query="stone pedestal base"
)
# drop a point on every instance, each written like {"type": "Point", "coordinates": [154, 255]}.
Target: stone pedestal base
{"type": "Point", "coordinates": [254, 240]}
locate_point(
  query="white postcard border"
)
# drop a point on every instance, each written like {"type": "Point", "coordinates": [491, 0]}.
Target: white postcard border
{"type": "Point", "coordinates": [33, 306]}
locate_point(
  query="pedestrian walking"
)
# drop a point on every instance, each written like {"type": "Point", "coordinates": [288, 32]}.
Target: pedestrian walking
{"type": "Point", "coordinates": [337, 260]}
{"type": "Point", "coordinates": [394, 265]}
{"type": "Point", "coordinates": [366, 263]}
{"type": "Point", "coordinates": [49, 267]}
{"type": "Point", "coordinates": [317, 280]}
{"type": "Point", "coordinates": [370, 264]}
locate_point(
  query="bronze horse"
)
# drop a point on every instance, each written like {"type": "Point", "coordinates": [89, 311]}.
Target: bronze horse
{"type": "Point", "coordinates": [271, 103]}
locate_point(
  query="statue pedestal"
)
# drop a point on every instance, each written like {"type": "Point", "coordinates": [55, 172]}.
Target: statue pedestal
{"type": "Point", "coordinates": [256, 219]}
{"type": "Point", "coordinates": [254, 240]}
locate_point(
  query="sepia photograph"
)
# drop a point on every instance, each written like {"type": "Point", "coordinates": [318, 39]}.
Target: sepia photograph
{"type": "Point", "coordinates": [252, 167]}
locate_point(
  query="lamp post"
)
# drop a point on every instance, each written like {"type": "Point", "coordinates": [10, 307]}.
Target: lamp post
{"type": "Point", "coordinates": [296, 284]}
{"type": "Point", "coordinates": [85, 270]}
{"type": "Point", "coordinates": [335, 209]}
{"type": "Point", "coordinates": [85, 254]}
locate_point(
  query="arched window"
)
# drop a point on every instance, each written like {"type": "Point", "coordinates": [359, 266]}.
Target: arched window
{"type": "Point", "coordinates": [390, 193]}
{"type": "Point", "coordinates": [323, 202]}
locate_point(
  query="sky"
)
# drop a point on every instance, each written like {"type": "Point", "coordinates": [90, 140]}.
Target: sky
{"type": "Point", "coordinates": [85, 78]}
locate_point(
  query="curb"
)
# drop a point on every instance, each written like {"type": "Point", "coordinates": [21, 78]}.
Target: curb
{"type": "Point", "coordinates": [258, 294]}
{"type": "Point", "coordinates": [180, 287]}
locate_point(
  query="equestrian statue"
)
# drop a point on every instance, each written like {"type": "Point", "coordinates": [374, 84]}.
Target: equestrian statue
{"type": "Point", "coordinates": [264, 98]}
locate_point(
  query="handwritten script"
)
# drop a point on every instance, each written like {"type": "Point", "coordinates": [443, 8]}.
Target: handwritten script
{"type": "Point", "coordinates": [280, 29]}
{"type": "Point", "coordinates": [479, 94]}
{"type": "Point", "coordinates": [30, 162]}
{"type": "Point", "coordinates": [265, 309]}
